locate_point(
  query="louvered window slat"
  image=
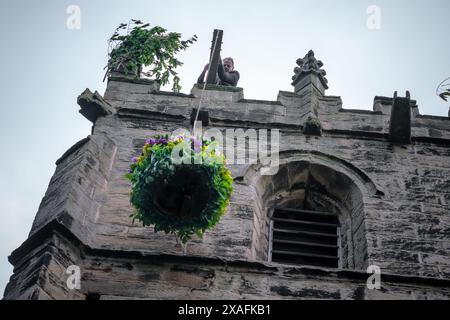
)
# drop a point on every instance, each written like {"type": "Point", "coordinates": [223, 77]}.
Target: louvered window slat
{"type": "Point", "coordinates": [305, 237]}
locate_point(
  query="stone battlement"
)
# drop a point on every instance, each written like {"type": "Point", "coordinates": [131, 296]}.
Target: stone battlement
{"type": "Point", "coordinates": [289, 111]}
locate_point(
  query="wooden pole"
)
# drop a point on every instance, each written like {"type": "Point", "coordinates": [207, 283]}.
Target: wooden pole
{"type": "Point", "coordinates": [215, 56]}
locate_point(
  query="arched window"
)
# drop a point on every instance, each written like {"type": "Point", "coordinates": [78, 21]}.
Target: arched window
{"type": "Point", "coordinates": [311, 213]}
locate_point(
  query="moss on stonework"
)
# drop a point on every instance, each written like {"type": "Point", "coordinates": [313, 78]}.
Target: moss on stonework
{"type": "Point", "coordinates": [312, 126]}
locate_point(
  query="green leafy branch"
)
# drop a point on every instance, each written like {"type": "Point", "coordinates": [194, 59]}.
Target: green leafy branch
{"type": "Point", "coordinates": [129, 50]}
{"type": "Point", "coordinates": [445, 95]}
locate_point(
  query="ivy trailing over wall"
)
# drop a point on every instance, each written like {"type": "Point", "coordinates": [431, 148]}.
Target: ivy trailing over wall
{"type": "Point", "coordinates": [180, 185]}
{"type": "Point", "coordinates": [136, 45]}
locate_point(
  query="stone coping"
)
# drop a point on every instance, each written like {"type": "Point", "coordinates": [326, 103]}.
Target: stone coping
{"type": "Point", "coordinates": [212, 87]}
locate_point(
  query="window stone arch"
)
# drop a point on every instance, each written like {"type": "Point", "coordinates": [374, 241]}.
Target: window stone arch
{"type": "Point", "coordinates": [317, 182]}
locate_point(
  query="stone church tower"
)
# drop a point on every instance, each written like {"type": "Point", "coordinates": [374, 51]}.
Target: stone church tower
{"type": "Point", "coordinates": [353, 189]}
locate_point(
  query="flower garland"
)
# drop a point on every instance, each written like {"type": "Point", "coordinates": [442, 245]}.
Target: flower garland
{"type": "Point", "coordinates": [180, 185]}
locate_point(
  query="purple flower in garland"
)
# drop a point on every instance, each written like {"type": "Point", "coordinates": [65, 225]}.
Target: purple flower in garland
{"type": "Point", "coordinates": [152, 142]}
{"type": "Point", "coordinates": [196, 143]}
{"type": "Point", "coordinates": [161, 141]}
{"type": "Point", "coordinates": [134, 160]}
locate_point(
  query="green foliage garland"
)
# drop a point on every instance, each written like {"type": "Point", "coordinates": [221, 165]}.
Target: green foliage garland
{"type": "Point", "coordinates": [180, 198]}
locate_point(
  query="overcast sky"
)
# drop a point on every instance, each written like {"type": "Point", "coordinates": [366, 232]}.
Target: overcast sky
{"type": "Point", "coordinates": [45, 66]}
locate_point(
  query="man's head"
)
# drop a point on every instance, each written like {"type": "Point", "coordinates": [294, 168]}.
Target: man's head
{"type": "Point", "coordinates": [228, 64]}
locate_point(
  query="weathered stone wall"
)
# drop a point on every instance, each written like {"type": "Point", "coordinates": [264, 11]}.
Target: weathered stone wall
{"type": "Point", "coordinates": [399, 199]}
{"type": "Point", "coordinates": [116, 274]}
{"type": "Point", "coordinates": [199, 279]}
{"type": "Point", "coordinates": [77, 188]}
{"type": "Point", "coordinates": [407, 228]}
{"type": "Point", "coordinates": [41, 263]}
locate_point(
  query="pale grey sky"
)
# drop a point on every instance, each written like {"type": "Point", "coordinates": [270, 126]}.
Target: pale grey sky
{"type": "Point", "coordinates": [45, 66]}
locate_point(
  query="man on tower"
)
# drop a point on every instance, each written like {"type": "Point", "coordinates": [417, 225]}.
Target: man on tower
{"type": "Point", "coordinates": [226, 75]}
